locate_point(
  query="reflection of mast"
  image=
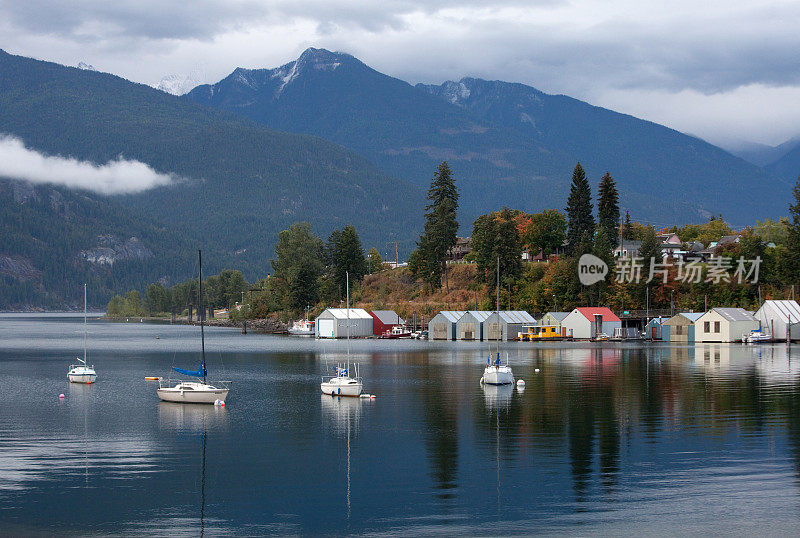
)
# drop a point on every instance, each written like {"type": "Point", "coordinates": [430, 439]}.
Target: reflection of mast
{"type": "Point", "coordinates": [497, 396]}
{"type": "Point", "coordinates": [497, 452]}
{"type": "Point", "coordinates": [348, 469]}
{"type": "Point", "coordinates": [343, 414]}
{"type": "Point", "coordinates": [203, 481]}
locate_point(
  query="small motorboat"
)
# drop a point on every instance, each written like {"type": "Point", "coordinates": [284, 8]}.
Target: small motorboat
{"type": "Point", "coordinates": [755, 336]}
{"type": "Point", "coordinates": [497, 374]}
{"type": "Point", "coordinates": [397, 331]}
{"type": "Point", "coordinates": [341, 384]}
{"type": "Point", "coordinates": [302, 327]}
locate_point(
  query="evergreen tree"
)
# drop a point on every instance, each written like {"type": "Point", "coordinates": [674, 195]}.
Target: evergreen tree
{"type": "Point", "coordinates": [793, 237]}
{"type": "Point", "coordinates": [496, 236]}
{"type": "Point", "coordinates": [608, 208]}
{"type": "Point", "coordinates": [350, 257]}
{"type": "Point", "coordinates": [579, 212]}
{"type": "Point", "coordinates": [441, 227]}
{"type": "Point", "coordinates": [298, 261]}
{"type": "Point", "coordinates": [651, 247]}
{"type": "Point", "coordinates": [545, 230]}
{"type": "Point", "coordinates": [627, 228]}
{"type": "Point", "coordinates": [374, 260]}
{"type": "Point", "coordinates": [156, 299]}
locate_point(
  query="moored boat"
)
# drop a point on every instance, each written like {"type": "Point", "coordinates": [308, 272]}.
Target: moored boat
{"type": "Point", "coordinates": [341, 384]}
{"type": "Point", "coordinates": [82, 373]}
{"type": "Point", "coordinates": [302, 327]}
{"type": "Point", "coordinates": [194, 391]}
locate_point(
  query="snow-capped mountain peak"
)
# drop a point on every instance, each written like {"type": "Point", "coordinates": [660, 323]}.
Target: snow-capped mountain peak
{"type": "Point", "coordinates": [177, 84]}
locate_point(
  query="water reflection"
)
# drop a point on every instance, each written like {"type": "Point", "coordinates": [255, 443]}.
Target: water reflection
{"type": "Point", "coordinates": [343, 416]}
{"type": "Point", "coordinates": [605, 438]}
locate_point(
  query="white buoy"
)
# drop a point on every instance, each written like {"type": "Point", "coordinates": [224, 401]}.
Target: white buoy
{"type": "Point", "coordinates": [61, 396]}
{"type": "Point", "coordinates": [537, 370]}
{"type": "Point", "coordinates": [520, 382]}
{"type": "Point", "coordinates": [219, 403]}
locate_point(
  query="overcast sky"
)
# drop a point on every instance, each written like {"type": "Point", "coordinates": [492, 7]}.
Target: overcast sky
{"type": "Point", "coordinates": [718, 69]}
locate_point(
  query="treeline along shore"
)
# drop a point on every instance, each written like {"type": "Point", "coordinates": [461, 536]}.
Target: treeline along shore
{"type": "Point", "coordinates": [691, 267]}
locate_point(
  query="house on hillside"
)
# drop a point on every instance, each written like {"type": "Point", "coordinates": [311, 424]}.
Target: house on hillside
{"type": "Point", "coordinates": [681, 327]}
{"type": "Point", "coordinates": [442, 326]}
{"type": "Point", "coordinates": [384, 321]}
{"type": "Point", "coordinates": [506, 325]}
{"type": "Point", "coordinates": [727, 240]}
{"type": "Point", "coordinates": [627, 249]}
{"type": "Point", "coordinates": [724, 325]}
{"type": "Point", "coordinates": [588, 322]}
{"type": "Point", "coordinates": [671, 246]}
{"type": "Point", "coordinates": [470, 325]}
{"type": "Point", "coordinates": [778, 317]}
{"type": "Point", "coordinates": [462, 247]}
{"type": "Point", "coordinates": [339, 323]}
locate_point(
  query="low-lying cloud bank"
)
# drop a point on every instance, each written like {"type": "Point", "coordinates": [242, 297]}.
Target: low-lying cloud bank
{"type": "Point", "coordinates": [119, 176]}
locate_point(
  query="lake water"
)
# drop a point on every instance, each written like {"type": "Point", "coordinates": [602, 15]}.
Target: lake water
{"type": "Point", "coordinates": [605, 438]}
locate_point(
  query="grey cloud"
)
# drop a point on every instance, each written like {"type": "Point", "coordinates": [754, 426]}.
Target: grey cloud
{"type": "Point", "coordinates": [81, 19]}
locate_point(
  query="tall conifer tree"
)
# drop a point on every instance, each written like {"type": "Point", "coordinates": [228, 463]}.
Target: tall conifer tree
{"type": "Point", "coordinates": [579, 212]}
{"type": "Point", "coordinates": [441, 227]}
{"type": "Point", "coordinates": [608, 208]}
{"type": "Point", "coordinates": [793, 236]}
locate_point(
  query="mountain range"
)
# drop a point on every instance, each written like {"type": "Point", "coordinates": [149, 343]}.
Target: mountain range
{"type": "Point", "coordinates": [327, 139]}
{"type": "Point", "coordinates": [508, 144]}
{"type": "Point", "coordinates": [241, 183]}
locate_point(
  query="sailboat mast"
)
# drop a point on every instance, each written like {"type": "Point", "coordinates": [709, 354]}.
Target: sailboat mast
{"type": "Point", "coordinates": [497, 306]}
{"type": "Point", "coordinates": [347, 288]}
{"type": "Point", "coordinates": [84, 324]}
{"type": "Point", "coordinates": [200, 303]}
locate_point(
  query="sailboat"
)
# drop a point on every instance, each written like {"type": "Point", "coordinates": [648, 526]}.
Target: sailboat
{"type": "Point", "coordinates": [194, 391]}
{"type": "Point", "coordinates": [82, 373]}
{"type": "Point", "coordinates": [342, 383]}
{"type": "Point", "coordinates": [495, 373]}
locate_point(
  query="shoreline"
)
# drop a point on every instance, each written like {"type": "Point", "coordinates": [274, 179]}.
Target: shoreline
{"type": "Point", "coordinates": [260, 326]}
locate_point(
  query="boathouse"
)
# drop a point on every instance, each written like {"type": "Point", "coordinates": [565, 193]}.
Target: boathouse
{"type": "Point", "coordinates": [509, 325]}
{"type": "Point", "coordinates": [656, 330]}
{"type": "Point", "coordinates": [776, 318]}
{"type": "Point", "coordinates": [553, 318]}
{"type": "Point", "coordinates": [681, 327]}
{"type": "Point", "coordinates": [384, 321]}
{"type": "Point", "coordinates": [724, 325]}
{"type": "Point", "coordinates": [588, 322]}
{"type": "Point", "coordinates": [470, 325]}
{"type": "Point", "coordinates": [442, 326]}
{"type": "Point", "coordinates": [334, 323]}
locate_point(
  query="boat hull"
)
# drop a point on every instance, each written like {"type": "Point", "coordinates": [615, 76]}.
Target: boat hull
{"type": "Point", "coordinates": [341, 389]}
{"type": "Point", "coordinates": [82, 374]}
{"type": "Point", "coordinates": [199, 393]}
{"type": "Point", "coordinates": [498, 375]}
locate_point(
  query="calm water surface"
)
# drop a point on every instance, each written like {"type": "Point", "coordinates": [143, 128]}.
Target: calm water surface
{"type": "Point", "coordinates": [606, 438]}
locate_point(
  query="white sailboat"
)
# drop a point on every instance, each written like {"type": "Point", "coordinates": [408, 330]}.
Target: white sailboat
{"type": "Point", "coordinates": [82, 373]}
{"type": "Point", "coordinates": [194, 391]}
{"type": "Point", "coordinates": [342, 383]}
{"type": "Point", "coordinates": [495, 373]}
